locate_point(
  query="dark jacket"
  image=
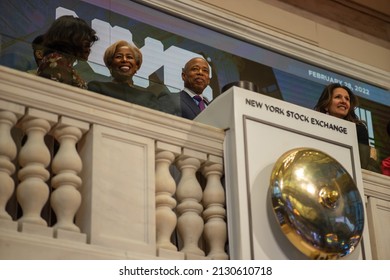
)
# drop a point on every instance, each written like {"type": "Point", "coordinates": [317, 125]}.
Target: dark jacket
{"type": "Point", "coordinates": [189, 108]}
{"type": "Point", "coordinates": [125, 92]}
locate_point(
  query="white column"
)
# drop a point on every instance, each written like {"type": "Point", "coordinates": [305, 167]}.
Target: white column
{"type": "Point", "coordinates": [33, 192]}
{"type": "Point", "coordinates": [166, 219]}
{"type": "Point", "coordinates": [66, 198]}
{"type": "Point", "coordinates": [189, 195]}
{"type": "Point", "coordinates": [7, 154]}
{"type": "Point", "coordinates": [215, 230]}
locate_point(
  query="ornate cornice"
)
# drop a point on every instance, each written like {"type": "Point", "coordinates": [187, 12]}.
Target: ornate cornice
{"type": "Point", "coordinates": [271, 38]}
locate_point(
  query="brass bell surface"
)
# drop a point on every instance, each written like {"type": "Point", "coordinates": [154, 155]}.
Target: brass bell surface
{"type": "Point", "coordinates": [316, 203]}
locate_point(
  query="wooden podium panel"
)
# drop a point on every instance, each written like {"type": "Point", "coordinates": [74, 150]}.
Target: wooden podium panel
{"type": "Point", "coordinates": [259, 129]}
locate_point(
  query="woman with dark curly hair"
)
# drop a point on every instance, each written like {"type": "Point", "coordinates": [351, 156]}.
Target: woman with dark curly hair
{"type": "Point", "coordinates": [68, 39]}
{"type": "Point", "coordinates": [339, 101]}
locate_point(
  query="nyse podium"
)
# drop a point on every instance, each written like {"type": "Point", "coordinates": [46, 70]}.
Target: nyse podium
{"type": "Point", "coordinates": [259, 129]}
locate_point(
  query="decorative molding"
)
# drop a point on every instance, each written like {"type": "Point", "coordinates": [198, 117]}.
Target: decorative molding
{"type": "Point", "coordinates": [376, 185]}
{"type": "Point", "coordinates": [348, 13]}
{"type": "Point", "coordinates": [64, 100]}
{"type": "Point", "coordinates": [269, 37]}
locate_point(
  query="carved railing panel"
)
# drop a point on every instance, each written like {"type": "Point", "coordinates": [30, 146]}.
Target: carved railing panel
{"type": "Point", "coordinates": [55, 177]}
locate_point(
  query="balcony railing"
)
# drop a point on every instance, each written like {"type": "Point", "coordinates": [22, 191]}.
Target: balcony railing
{"type": "Point", "coordinates": [84, 176]}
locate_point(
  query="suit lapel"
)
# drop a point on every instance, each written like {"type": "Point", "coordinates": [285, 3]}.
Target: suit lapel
{"type": "Point", "coordinates": [190, 103]}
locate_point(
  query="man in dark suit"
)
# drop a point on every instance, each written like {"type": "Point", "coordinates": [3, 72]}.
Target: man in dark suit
{"type": "Point", "coordinates": [196, 77]}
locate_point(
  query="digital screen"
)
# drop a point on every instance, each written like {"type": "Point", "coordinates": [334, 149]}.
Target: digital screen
{"type": "Point", "coordinates": [168, 42]}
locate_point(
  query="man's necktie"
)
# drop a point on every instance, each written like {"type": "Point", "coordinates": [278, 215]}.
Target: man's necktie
{"type": "Point", "coordinates": [201, 104]}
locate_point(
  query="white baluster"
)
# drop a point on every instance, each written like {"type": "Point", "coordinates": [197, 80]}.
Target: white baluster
{"type": "Point", "coordinates": [66, 199]}
{"type": "Point", "coordinates": [7, 154]}
{"type": "Point", "coordinates": [214, 213]}
{"type": "Point", "coordinates": [189, 195]}
{"type": "Point", "coordinates": [166, 219]}
{"type": "Point", "coordinates": [32, 192]}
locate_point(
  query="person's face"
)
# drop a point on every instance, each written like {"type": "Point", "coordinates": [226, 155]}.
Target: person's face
{"type": "Point", "coordinates": [124, 65]}
{"type": "Point", "coordinates": [38, 55]}
{"type": "Point", "coordinates": [86, 50]}
{"type": "Point", "coordinates": [340, 104]}
{"type": "Point", "coordinates": [196, 75]}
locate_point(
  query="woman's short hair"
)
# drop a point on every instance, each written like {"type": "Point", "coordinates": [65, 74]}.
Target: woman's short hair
{"type": "Point", "coordinates": [68, 35]}
{"type": "Point", "coordinates": [110, 52]}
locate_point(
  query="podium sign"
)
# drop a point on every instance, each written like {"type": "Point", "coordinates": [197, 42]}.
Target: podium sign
{"type": "Point", "coordinates": [259, 129]}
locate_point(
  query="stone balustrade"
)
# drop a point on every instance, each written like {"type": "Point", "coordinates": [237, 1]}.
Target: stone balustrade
{"type": "Point", "coordinates": [84, 176]}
